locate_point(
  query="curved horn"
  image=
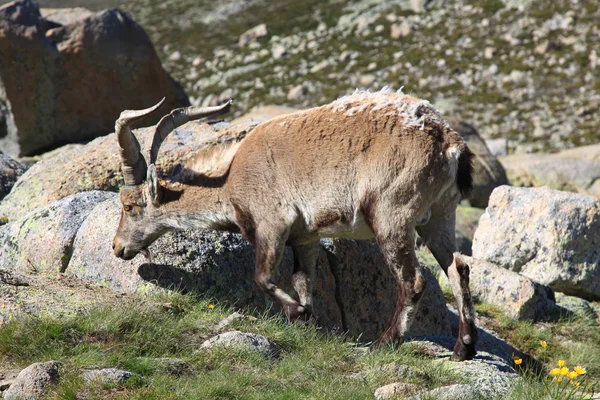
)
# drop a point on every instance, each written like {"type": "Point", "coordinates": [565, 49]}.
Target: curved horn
{"type": "Point", "coordinates": [133, 164]}
{"type": "Point", "coordinates": [178, 117]}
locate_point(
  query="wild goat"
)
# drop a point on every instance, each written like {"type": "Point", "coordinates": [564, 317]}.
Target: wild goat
{"type": "Point", "coordinates": [367, 165]}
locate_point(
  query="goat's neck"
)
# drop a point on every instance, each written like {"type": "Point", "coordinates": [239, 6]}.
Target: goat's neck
{"type": "Point", "coordinates": [196, 207]}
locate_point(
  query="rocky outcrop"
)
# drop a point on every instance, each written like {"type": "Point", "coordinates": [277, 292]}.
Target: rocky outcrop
{"type": "Point", "coordinates": [68, 83]}
{"type": "Point", "coordinates": [575, 170]}
{"type": "Point", "coordinates": [33, 381]}
{"type": "Point", "coordinates": [96, 166]}
{"type": "Point", "coordinates": [519, 296]}
{"type": "Point", "coordinates": [488, 172]}
{"type": "Point", "coordinates": [42, 241]}
{"type": "Point", "coordinates": [10, 171]}
{"type": "Point", "coordinates": [549, 236]}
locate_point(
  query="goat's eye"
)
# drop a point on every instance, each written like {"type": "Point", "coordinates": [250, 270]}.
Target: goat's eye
{"type": "Point", "coordinates": [127, 208]}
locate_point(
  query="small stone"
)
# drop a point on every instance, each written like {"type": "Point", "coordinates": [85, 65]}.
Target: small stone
{"type": "Point", "coordinates": [296, 93]}
{"type": "Point", "coordinates": [379, 28]}
{"type": "Point", "coordinates": [32, 382]}
{"type": "Point", "coordinates": [197, 61]}
{"type": "Point", "coordinates": [252, 35]}
{"type": "Point", "coordinates": [367, 80]}
{"type": "Point", "coordinates": [489, 52]}
{"type": "Point", "coordinates": [175, 56]}
{"type": "Point", "coordinates": [244, 341]}
{"type": "Point", "coordinates": [345, 56]}
{"type": "Point", "coordinates": [278, 51]}
{"type": "Point", "coordinates": [319, 66]}
{"type": "Point", "coordinates": [402, 30]}
{"type": "Point", "coordinates": [396, 389]}
{"type": "Point", "coordinates": [107, 376]}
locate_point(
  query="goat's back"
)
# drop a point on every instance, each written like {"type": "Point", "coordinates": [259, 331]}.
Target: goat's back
{"type": "Point", "coordinates": [334, 156]}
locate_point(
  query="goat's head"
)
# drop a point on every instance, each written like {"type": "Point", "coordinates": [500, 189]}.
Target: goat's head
{"type": "Point", "coordinates": [140, 222]}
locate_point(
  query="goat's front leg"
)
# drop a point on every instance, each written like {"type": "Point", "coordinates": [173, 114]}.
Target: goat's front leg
{"type": "Point", "coordinates": [269, 251]}
{"type": "Point", "coordinates": [305, 260]}
{"type": "Point", "coordinates": [398, 250]}
{"type": "Point", "coordinates": [439, 238]}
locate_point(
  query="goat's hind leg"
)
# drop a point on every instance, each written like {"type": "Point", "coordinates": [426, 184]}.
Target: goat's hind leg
{"type": "Point", "coordinates": [270, 244]}
{"type": "Point", "coordinates": [438, 235]}
{"type": "Point", "coordinates": [305, 260]}
{"type": "Point", "coordinates": [398, 250]}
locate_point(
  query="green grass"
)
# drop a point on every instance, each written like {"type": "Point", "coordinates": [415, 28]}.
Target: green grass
{"type": "Point", "coordinates": [312, 363]}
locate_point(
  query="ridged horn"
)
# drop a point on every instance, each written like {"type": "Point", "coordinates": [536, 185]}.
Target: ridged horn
{"type": "Point", "coordinates": [178, 117]}
{"type": "Point", "coordinates": [133, 164]}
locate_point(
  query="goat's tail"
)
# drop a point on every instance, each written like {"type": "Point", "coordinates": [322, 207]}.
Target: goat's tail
{"type": "Point", "coordinates": [460, 159]}
{"type": "Point", "coordinates": [465, 170]}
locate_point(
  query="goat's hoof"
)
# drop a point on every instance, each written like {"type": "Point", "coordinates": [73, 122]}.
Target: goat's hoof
{"type": "Point", "coordinates": [300, 315]}
{"type": "Point", "coordinates": [463, 352]}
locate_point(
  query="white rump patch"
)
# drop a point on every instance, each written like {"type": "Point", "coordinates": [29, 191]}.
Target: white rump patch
{"type": "Point", "coordinates": [453, 154]}
{"type": "Point", "coordinates": [415, 112]}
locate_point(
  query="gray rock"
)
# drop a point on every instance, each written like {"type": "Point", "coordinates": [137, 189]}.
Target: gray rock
{"type": "Point", "coordinates": [546, 235]}
{"type": "Point", "coordinates": [517, 295]}
{"type": "Point", "coordinates": [42, 241]}
{"type": "Point", "coordinates": [65, 16]}
{"type": "Point", "coordinates": [569, 305]}
{"type": "Point", "coordinates": [252, 35]}
{"type": "Point", "coordinates": [451, 392]}
{"type": "Point", "coordinates": [244, 341]}
{"type": "Point", "coordinates": [395, 390]}
{"type": "Point", "coordinates": [33, 381]}
{"type": "Point", "coordinates": [576, 170]}
{"type": "Point", "coordinates": [401, 30]}
{"type": "Point", "coordinates": [488, 172]}
{"type": "Point", "coordinates": [296, 93]}
{"type": "Point", "coordinates": [7, 377]}
{"type": "Point", "coordinates": [10, 171]}
{"type": "Point", "coordinates": [106, 376]}
{"type": "Point", "coordinates": [226, 322]}
{"type": "Point", "coordinates": [487, 376]}
{"type": "Point", "coordinates": [72, 71]}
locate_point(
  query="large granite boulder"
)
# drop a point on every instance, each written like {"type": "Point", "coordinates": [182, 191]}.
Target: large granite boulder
{"type": "Point", "coordinates": [488, 172]}
{"type": "Point", "coordinates": [68, 83]}
{"type": "Point", "coordinates": [517, 295]}
{"type": "Point", "coordinates": [42, 241]}
{"type": "Point", "coordinates": [10, 171]}
{"type": "Point", "coordinates": [575, 170]}
{"type": "Point", "coordinates": [549, 236]}
{"type": "Point", "coordinates": [354, 290]}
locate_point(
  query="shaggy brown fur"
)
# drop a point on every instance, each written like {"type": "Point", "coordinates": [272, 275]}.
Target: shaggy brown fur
{"type": "Point", "coordinates": [367, 165]}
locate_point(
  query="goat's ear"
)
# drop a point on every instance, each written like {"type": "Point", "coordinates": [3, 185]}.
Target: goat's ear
{"type": "Point", "coordinates": [153, 186]}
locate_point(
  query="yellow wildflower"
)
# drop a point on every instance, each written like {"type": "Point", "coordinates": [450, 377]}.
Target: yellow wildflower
{"type": "Point", "coordinates": [561, 363]}
{"type": "Point", "coordinates": [576, 384]}
{"type": "Point", "coordinates": [211, 306]}
{"type": "Point", "coordinates": [564, 371]}
{"type": "Point", "coordinates": [572, 375]}
{"type": "Point", "coordinates": [555, 371]}
{"type": "Point", "coordinates": [517, 360]}
{"type": "Point", "coordinates": [543, 343]}
{"type": "Point", "coordinates": [579, 370]}
{"type": "Point", "coordinates": [557, 379]}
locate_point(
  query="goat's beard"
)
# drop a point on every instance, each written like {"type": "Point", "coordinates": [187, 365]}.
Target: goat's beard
{"type": "Point", "coordinates": [147, 255]}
